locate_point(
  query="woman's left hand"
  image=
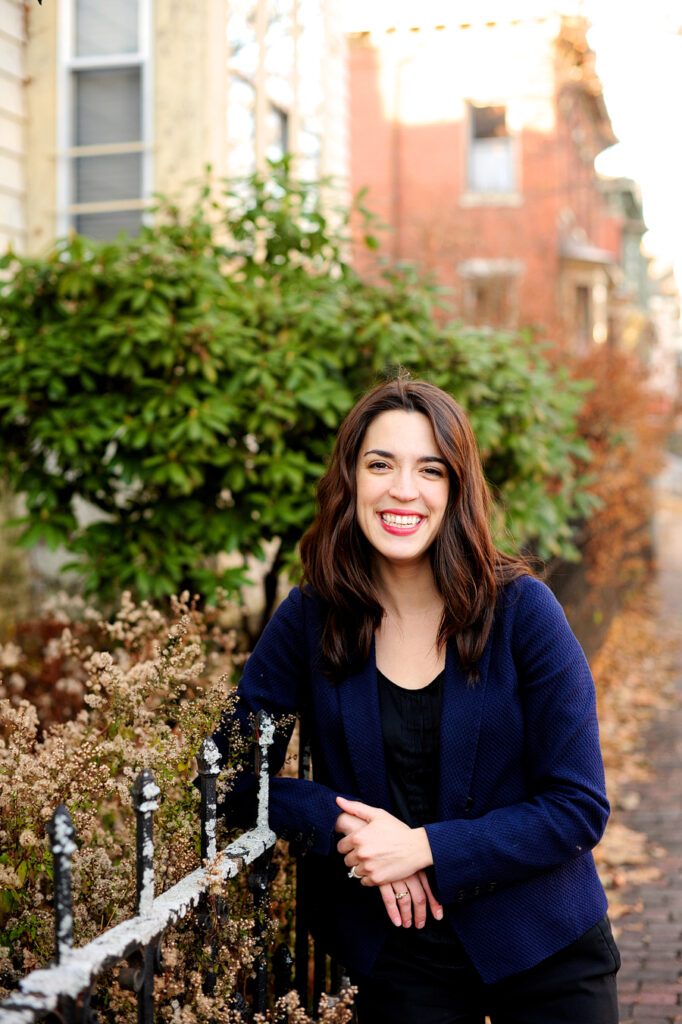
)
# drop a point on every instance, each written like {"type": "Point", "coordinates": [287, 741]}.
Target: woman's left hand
{"type": "Point", "coordinates": [386, 849]}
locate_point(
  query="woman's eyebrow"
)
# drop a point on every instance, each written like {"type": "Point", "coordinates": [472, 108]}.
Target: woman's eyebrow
{"type": "Point", "coordinates": [389, 455]}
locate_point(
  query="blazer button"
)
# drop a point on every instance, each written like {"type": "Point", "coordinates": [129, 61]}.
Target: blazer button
{"type": "Point", "coordinates": [491, 886]}
{"type": "Point", "coordinates": [476, 891]}
{"type": "Point", "coordinates": [460, 894]}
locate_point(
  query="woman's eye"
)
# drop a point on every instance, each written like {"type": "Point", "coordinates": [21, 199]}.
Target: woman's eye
{"type": "Point", "coordinates": [433, 471]}
{"type": "Point", "coordinates": [377, 465]}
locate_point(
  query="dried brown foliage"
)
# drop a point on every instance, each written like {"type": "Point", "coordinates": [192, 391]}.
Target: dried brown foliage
{"type": "Point", "coordinates": [633, 672]}
{"type": "Point", "coordinates": [109, 698]}
{"type": "Point", "coordinates": [622, 422]}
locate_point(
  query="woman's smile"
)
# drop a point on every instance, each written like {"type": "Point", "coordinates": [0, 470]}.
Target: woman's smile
{"type": "Point", "coordinates": [397, 522]}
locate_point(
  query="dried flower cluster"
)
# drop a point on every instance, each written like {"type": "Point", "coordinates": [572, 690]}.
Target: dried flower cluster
{"type": "Point", "coordinates": [109, 698]}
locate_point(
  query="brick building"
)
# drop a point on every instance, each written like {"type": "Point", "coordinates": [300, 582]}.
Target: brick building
{"type": "Point", "coordinates": [477, 142]}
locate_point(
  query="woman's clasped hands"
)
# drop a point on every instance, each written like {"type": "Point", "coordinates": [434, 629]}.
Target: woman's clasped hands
{"type": "Point", "coordinates": [385, 852]}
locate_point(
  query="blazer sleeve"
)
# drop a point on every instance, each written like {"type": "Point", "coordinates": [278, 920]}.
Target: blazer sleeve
{"type": "Point", "coordinates": [566, 810]}
{"type": "Point", "coordinates": [274, 679]}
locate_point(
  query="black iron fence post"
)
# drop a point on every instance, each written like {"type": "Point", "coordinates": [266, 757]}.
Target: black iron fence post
{"type": "Point", "coordinates": [208, 763]}
{"type": "Point", "coordinates": [258, 878]}
{"type": "Point", "coordinates": [62, 834]}
{"type": "Point", "coordinates": [282, 963]}
{"type": "Point", "coordinates": [145, 793]}
{"type": "Point", "coordinates": [257, 882]}
{"type": "Point", "coordinates": [265, 734]}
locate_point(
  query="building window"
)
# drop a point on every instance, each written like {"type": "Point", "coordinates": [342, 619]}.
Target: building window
{"type": "Point", "coordinates": [582, 316]}
{"type": "Point", "coordinates": [105, 175]}
{"type": "Point", "coordinates": [491, 150]}
{"type": "Point", "coordinates": [276, 95]}
{"type": "Point", "coordinates": [491, 292]}
{"type": "Point", "coordinates": [491, 301]}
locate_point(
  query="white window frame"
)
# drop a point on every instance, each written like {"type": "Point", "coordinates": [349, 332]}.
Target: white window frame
{"type": "Point", "coordinates": [68, 65]}
{"type": "Point", "coordinates": [257, 80]}
{"type": "Point", "coordinates": [298, 114]}
{"type": "Point", "coordinates": [479, 197]}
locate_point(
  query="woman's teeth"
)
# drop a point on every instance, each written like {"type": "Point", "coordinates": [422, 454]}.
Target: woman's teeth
{"type": "Point", "coordinates": [394, 520]}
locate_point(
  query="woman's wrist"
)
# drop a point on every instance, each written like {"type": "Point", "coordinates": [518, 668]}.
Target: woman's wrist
{"type": "Point", "coordinates": [422, 848]}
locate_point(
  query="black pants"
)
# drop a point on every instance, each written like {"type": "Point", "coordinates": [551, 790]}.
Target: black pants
{"type": "Point", "coordinates": [418, 983]}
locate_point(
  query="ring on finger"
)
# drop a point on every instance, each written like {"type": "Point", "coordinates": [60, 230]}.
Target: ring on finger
{"type": "Point", "coordinates": [401, 895]}
{"type": "Point", "coordinates": [353, 873]}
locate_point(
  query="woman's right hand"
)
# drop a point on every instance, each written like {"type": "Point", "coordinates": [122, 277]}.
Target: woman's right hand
{"type": "Point", "coordinates": [416, 899]}
{"type": "Point", "coordinates": [419, 899]}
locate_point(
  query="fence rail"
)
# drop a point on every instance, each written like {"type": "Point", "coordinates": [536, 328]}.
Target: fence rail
{"type": "Point", "coordinates": [65, 988]}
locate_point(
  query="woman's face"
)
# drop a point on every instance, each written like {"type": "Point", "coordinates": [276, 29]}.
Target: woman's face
{"type": "Point", "coordinates": [402, 486]}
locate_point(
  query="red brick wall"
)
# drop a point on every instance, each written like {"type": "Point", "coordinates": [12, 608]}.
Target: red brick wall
{"type": "Point", "coordinates": [416, 175]}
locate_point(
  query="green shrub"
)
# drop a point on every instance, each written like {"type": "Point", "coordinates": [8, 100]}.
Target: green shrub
{"type": "Point", "coordinates": [187, 384]}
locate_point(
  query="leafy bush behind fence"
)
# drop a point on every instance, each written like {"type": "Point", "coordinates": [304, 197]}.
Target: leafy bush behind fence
{"type": "Point", "coordinates": [188, 383]}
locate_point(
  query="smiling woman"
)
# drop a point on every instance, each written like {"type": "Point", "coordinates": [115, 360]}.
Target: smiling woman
{"type": "Point", "coordinates": [458, 783]}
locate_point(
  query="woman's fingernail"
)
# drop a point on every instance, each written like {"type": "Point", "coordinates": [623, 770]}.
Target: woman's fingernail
{"type": "Point", "coordinates": [421, 924]}
{"type": "Point", "coordinates": [439, 914]}
{"type": "Point", "coordinates": [396, 922]}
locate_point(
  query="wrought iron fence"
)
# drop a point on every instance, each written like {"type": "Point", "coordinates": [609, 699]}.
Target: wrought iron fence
{"type": "Point", "coordinates": [64, 989]}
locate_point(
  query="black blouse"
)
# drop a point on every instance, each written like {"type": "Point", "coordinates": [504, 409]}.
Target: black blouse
{"type": "Point", "coordinates": [410, 722]}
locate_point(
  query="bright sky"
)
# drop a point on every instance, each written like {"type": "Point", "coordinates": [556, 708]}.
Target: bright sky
{"type": "Point", "coordinates": [639, 61]}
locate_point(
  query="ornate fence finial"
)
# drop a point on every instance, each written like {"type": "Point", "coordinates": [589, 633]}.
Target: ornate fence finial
{"type": "Point", "coordinates": [62, 835]}
{"type": "Point", "coordinates": [145, 792]}
{"type": "Point", "coordinates": [208, 763]}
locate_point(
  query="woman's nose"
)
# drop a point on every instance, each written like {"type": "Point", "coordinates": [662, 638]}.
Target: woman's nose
{"type": "Point", "coordinates": [404, 487]}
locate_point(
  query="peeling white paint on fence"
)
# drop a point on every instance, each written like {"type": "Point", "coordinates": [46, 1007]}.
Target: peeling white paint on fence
{"type": "Point", "coordinates": [208, 761]}
{"type": "Point", "coordinates": [39, 991]}
{"type": "Point", "coordinates": [266, 736]}
{"type": "Point", "coordinates": [146, 898]}
{"type": "Point", "coordinates": [211, 757]}
{"type": "Point", "coordinates": [150, 791]}
{"type": "Point", "coordinates": [63, 835]}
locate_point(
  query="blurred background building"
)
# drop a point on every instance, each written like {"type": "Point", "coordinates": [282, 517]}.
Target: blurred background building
{"type": "Point", "coordinates": [476, 138]}
{"type": "Point", "coordinates": [104, 103]}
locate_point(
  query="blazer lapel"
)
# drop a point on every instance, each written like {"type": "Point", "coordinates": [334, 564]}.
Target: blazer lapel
{"type": "Point", "coordinates": [462, 710]}
{"type": "Point", "coordinates": [362, 725]}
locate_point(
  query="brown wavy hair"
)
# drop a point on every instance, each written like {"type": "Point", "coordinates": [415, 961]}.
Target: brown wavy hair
{"type": "Point", "coordinates": [468, 569]}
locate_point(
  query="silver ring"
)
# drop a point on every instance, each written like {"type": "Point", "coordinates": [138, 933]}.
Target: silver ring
{"type": "Point", "coordinates": [353, 873]}
{"type": "Point", "coordinates": [401, 895]}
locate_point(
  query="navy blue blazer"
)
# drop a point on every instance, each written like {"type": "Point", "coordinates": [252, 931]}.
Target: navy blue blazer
{"type": "Point", "coordinates": [521, 799]}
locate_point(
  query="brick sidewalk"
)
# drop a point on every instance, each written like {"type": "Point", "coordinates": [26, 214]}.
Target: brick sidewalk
{"type": "Point", "coordinates": [650, 980]}
{"type": "Point", "coordinates": [651, 941]}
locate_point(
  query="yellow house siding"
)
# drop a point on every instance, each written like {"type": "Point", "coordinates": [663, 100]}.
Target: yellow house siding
{"type": "Point", "coordinates": [335, 159]}
{"type": "Point", "coordinates": [190, 75]}
{"type": "Point", "coordinates": [12, 126]}
{"type": "Point", "coordinates": [41, 126]}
